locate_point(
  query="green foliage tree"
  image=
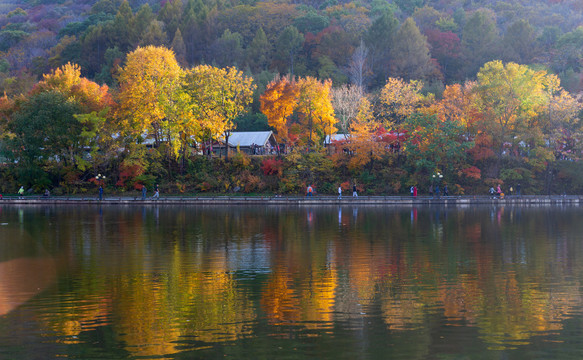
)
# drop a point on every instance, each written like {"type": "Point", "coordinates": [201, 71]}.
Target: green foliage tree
{"type": "Point", "coordinates": [195, 30]}
{"type": "Point", "coordinates": [312, 22]}
{"type": "Point", "coordinates": [435, 145]}
{"type": "Point", "coordinates": [519, 44]}
{"type": "Point", "coordinates": [570, 45]}
{"type": "Point", "coordinates": [379, 40]}
{"type": "Point", "coordinates": [479, 41]}
{"type": "Point", "coordinates": [171, 15]}
{"type": "Point", "coordinates": [228, 49]}
{"type": "Point", "coordinates": [409, 6]}
{"type": "Point", "coordinates": [287, 47]}
{"type": "Point", "coordinates": [43, 129]}
{"type": "Point", "coordinates": [112, 60]}
{"type": "Point", "coordinates": [154, 35]}
{"type": "Point", "coordinates": [179, 48]}
{"type": "Point", "coordinates": [258, 52]}
{"type": "Point", "coordinates": [410, 53]}
{"type": "Point", "coordinates": [510, 98]}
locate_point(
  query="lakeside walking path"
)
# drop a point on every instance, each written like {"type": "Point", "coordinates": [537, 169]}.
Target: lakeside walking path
{"type": "Point", "coordinates": [298, 200]}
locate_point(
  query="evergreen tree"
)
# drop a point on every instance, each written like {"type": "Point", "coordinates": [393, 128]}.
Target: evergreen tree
{"type": "Point", "coordinates": [179, 48]}
{"type": "Point", "coordinates": [287, 47]}
{"type": "Point", "coordinates": [143, 18]}
{"type": "Point", "coordinates": [379, 41]}
{"type": "Point", "coordinates": [411, 58]}
{"type": "Point", "coordinates": [154, 35]}
{"type": "Point", "coordinates": [519, 43]}
{"type": "Point", "coordinates": [192, 27]}
{"type": "Point", "coordinates": [479, 41]}
{"type": "Point", "coordinates": [258, 52]}
{"type": "Point", "coordinates": [227, 50]}
{"type": "Point", "coordinates": [171, 15]}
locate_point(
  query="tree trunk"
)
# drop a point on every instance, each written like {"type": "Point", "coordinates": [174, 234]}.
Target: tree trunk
{"type": "Point", "coordinates": [227, 135]}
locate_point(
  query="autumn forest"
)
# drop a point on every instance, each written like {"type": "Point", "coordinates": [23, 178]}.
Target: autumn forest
{"type": "Point", "coordinates": [125, 94]}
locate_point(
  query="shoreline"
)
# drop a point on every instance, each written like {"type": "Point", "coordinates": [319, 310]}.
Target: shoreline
{"type": "Point", "coordinates": [298, 200]}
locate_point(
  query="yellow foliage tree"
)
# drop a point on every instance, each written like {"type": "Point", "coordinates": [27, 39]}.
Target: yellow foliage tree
{"type": "Point", "coordinates": [148, 89]}
{"type": "Point", "coordinates": [560, 121]}
{"type": "Point", "coordinates": [510, 98]}
{"type": "Point", "coordinates": [315, 111]}
{"type": "Point", "coordinates": [217, 96]}
{"type": "Point", "coordinates": [399, 99]}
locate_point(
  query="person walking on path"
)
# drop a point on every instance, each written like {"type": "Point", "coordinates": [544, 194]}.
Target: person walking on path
{"type": "Point", "coordinates": [156, 193]}
{"type": "Point", "coordinates": [309, 191]}
{"type": "Point", "coordinates": [498, 190]}
{"type": "Point", "coordinates": [144, 190]}
{"type": "Point", "coordinates": [354, 193]}
{"type": "Point", "coordinates": [21, 192]}
{"type": "Point", "coordinates": [339, 192]}
{"type": "Point", "coordinates": [415, 191]}
{"type": "Point", "coordinates": [100, 192]}
{"type": "Point", "coordinates": [445, 190]}
{"type": "Point", "coordinates": [412, 190]}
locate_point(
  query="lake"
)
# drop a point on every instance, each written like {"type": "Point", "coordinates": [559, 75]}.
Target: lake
{"type": "Point", "coordinates": [298, 282]}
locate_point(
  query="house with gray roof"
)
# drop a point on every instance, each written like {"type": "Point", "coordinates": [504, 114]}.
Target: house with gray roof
{"type": "Point", "coordinates": [251, 142]}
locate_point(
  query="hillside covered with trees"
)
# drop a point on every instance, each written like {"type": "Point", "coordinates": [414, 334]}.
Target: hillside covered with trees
{"type": "Point", "coordinates": [483, 92]}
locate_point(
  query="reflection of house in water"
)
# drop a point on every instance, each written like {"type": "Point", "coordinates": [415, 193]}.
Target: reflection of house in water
{"type": "Point", "coordinates": [250, 142]}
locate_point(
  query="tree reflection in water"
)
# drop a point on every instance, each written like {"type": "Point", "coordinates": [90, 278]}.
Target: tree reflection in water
{"type": "Point", "coordinates": [200, 280]}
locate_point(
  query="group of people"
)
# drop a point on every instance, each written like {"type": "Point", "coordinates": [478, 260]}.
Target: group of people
{"type": "Point", "coordinates": [310, 191]}
{"type": "Point", "coordinates": [354, 191]}
{"type": "Point", "coordinates": [145, 191]}
{"type": "Point", "coordinates": [499, 193]}
{"type": "Point", "coordinates": [433, 190]}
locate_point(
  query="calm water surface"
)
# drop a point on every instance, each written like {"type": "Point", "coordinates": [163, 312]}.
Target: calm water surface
{"type": "Point", "coordinates": [173, 282]}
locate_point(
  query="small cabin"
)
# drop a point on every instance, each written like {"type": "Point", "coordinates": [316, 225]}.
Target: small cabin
{"type": "Point", "coordinates": [336, 142]}
{"type": "Point", "coordinates": [250, 142]}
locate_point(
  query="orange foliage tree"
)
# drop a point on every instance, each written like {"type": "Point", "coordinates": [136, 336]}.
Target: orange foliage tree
{"type": "Point", "coordinates": [68, 81]}
{"type": "Point", "coordinates": [365, 145]}
{"type": "Point", "coordinates": [458, 105]}
{"type": "Point", "coordinates": [278, 103]}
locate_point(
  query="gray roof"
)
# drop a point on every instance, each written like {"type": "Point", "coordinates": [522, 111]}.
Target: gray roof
{"type": "Point", "coordinates": [248, 138]}
{"type": "Point", "coordinates": [335, 137]}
